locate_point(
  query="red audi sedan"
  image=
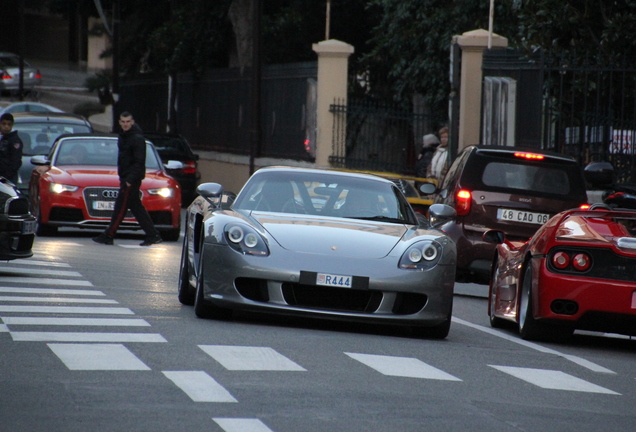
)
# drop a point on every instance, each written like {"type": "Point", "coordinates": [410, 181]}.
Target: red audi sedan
{"type": "Point", "coordinates": [76, 185]}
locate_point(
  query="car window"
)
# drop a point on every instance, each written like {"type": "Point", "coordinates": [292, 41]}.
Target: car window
{"type": "Point", "coordinates": [169, 145]}
{"type": "Point", "coordinates": [524, 177]}
{"type": "Point", "coordinates": [94, 152]}
{"type": "Point", "coordinates": [329, 195]}
{"type": "Point", "coordinates": [10, 61]}
{"type": "Point", "coordinates": [39, 137]}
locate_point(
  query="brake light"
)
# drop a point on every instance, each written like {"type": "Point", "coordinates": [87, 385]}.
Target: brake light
{"type": "Point", "coordinates": [584, 206]}
{"type": "Point", "coordinates": [560, 260]}
{"type": "Point", "coordinates": [533, 156]}
{"type": "Point", "coordinates": [581, 262]}
{"type": "Point", "coordinates": [38, 75]}
{"type": "Point", "coordinates": [462, 206]}
{"type": "Point", "coordinates": [5, 75]}
{"type": "Point", "coordinates": [189, 167]}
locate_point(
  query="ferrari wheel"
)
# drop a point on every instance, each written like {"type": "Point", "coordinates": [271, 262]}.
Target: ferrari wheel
{"type": "Point", "coordinates": [495, 321]}
{"type": "Point", "coordinates": [204, 308]}
{"type": "Point", "coordinates": [186, 292]}
{"type": "Point", "coordinates": [529, 328]}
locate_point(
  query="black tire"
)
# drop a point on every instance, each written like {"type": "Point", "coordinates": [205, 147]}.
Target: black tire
{"type": "Point", "coordinates": [202, 307]}
{"type": "Point", "coordinates": [529, 328]}
{"type": "Point", "coordinates": [495, 322]}
{"type": "Point", "coordinates": [439, 331]}
{"type": "Point", "coordinates": [186, 291]}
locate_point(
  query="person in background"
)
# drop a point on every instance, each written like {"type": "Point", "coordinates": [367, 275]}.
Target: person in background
{"type": "Point", "coordinates": [429, 144]}
{"type": "Point", "coordinates": [10, 149]}
{"type": "Point", "coordinates": [439, 164]}
{"type": "Point", "coordinates": [131, 167]}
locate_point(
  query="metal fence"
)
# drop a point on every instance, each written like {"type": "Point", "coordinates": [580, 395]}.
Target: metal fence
{"type": "Point", "coordinates": [369, 135]}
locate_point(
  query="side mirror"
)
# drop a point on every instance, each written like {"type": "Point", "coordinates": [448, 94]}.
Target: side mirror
{"type": "Point", "coordinates": [599, 174]}
{"type": "Point", "coordinates": [494, 236]}
{"type": "Point", "coordinates": [212, 193]}
{"type": "Point", "coordinates": [174, 165]}
{"type": "Point", "coordinates": [40, 160]}
{"type": "Point", "coordinates": [439, 214]}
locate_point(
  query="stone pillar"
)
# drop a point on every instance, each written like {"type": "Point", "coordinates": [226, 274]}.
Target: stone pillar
{"type": "Point", "coordinates": [472, 44]}
{"type": "Point", "coordinates": [333, 70]}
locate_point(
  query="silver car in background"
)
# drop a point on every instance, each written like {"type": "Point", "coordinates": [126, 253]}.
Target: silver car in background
{"type": "Point", "coordinates": [318, 243]}
{"type": "Point", "coordinates": [10, 73]}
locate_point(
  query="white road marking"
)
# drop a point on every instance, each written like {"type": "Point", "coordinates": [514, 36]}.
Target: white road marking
{"type": "Point", "coordinates": [61, 243]}
{"type": "Point", "coordinates": [86, 337]}
{"type": "Point", "coordinates": [97, 357]}
{"type": "Point", "coordinates": [515, 339]}
{"type": "Point", "coordinates": [4, 328]}
{"type": "Point", "coordinates": [402, 367]}
{"type": "Point", "coordinates": [55, 300]}
{"type": "Point", "coordinates": [553, 380]}
{"type": "Point", "coordinates": [67, 310]}
{"type": "Point", "coordinates": [40, 263]}
{"type": "Point", "coordinates": [46, 272]}
{"type": "Point", "coordinates": [241, 425]}
{"type": "Point", "coordinates": [115, 322]}
{"type": "Point", "coordinates": [250, 358]}
{"type": "Point", "coordinates": [44, 281]}
{"type": "Point", "coordinates": [199, 386]}
{"type": "Point", "coordinates": [53, 291]}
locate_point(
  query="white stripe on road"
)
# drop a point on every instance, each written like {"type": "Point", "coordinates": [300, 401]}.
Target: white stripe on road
{"type": "Point", "coordinates": [250, 358]}
{"type": "Point", "coordinates": [53, 291]}
{"type": "Point", "coordinates": [402, 366]}
{"type": "Point", "coordinates": [199, 386]}
{"type": "Point", "coordinates": [241, 425]}
{"type": "Point", "coordinates": [44, 281]}
{"type": "Point", "coordinates": [114, 322]}
{"type": "Point", "coordinates": [97, 357]}
{"type": "Point", "coordinates": [67, 310]}
{"type": "Point", "coordinates": [40, 263]}
{"type": "Point", "coordinates": [55, 300]}
{"type": "Point", "coordinates": [4, 328]}
{"type": "Point", "coordinates": [578, 360]}
{"type": "Point", "coordinates": [85, 337]}
{"type": "Point", "coordinates": [46, 272]}
{"type": "Point", "coordinates": [553, 380]}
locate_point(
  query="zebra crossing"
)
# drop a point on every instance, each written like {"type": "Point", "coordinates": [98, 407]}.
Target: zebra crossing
{"type": "Point", "coordinates": [30, 289]}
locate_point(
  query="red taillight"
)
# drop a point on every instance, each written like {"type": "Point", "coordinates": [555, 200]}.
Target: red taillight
{"type": "Point", "coordinates": [584, 206]}
{"type": "Point", "coordinates": [5, 75]}
{"type": "Point", "coordinates": [581, 262]}
{"type": "Point", "coordinates": [189, 167]}
{"type": "Point", "coordinates": [529, 155]}
{"type": "Point", "coordinates": [462, 206]}
{"type": "Point", "coordinates": [561, 260]}
{"type": "Point", "coordinates": [38, 74]}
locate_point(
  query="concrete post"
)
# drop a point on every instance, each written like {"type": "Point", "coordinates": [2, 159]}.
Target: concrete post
{"type": "Point", "coordinates": [472, 44]}
{"type": "Point", "coordinates": [333, 69]}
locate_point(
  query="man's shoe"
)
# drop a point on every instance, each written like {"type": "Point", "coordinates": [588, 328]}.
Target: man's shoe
{"type": "Point", "coordinates": [103, 239]}
{"type": "Point", "coordinates": [151, 240]}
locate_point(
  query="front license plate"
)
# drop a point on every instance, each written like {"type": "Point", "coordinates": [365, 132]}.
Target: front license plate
{"type": "Point", "coordinates": [522, 216]}
{"type": "Point", "coordinates": [28, 227]}
{"type": "Point", "coordinates": [333, 280]}
{"type": "Point", "coordinates": [104, 205]}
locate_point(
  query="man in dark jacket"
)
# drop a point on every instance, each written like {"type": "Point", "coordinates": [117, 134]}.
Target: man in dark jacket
{"type": "Point", "coordinates": [10, 149]}
{"type": "Point", "coordinates": [131, 167]}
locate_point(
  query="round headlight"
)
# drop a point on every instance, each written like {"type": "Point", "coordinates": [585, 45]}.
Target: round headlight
{"type": "Point", "coordinates": [429, 252]}
{"type": "Point", "coordinates": [251, 240]}
{"type": "Point", "coordinates": [415, 255]}
{"type": "Point", "coordinates": [235, 234]}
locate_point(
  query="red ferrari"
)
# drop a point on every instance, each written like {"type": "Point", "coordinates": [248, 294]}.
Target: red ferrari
{"type": "Point", "coordinates": [77, 183]}
{"type": "Point", "coordinates": [577, 272]}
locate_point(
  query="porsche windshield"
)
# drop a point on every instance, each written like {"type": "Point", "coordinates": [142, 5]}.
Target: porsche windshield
{"type": "Point", "coordinates": [308, 192]}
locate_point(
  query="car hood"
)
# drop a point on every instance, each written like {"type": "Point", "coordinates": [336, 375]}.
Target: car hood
{"type": "Point", "coordinates": [341, 237]}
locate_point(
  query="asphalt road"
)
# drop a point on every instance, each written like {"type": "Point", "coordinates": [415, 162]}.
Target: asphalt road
{"type": "Point", "coordinates": [119, 353]}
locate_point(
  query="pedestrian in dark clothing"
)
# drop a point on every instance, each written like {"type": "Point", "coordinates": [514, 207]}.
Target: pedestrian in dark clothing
{"type": "Point", "coordinates": [429, 144]}
{"type": "Point", "coordinates": [131, 167]}
{"type": "Point", "coordinates": [10, 149]}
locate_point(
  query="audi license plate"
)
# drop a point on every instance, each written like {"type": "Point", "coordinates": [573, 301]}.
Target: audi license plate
{"type": "Point", "coordinates": [28, 227]}
{"type": "Point", "coordinates": [333, 280]}
{"type": "Point", "coordinates": [522, 216]}
{"type": "Point", "coordinates": [104, 205]}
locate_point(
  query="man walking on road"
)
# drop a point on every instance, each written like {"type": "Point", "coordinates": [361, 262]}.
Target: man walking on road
{"type": "Point", "coordinates": [131, 167]}
{"type": "Point", "coordinates": [10, 149]}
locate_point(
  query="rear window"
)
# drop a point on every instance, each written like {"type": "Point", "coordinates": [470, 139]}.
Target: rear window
{"type": "Point", "coordinates": [528, 178]}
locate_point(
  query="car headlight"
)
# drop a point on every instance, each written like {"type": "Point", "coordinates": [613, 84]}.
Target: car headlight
{"type": "Point", "coordinates": [245, 240]}
{"type": "Point", "coordinates": [422, 255]}
{"type": "Point", "coordinates": [164, 192]}
{"type": "Point", "coordinates": [59, 188]}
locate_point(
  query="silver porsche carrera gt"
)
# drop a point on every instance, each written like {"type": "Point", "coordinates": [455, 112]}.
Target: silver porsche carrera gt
{"type": "Point", "coordinates": [318, 243]}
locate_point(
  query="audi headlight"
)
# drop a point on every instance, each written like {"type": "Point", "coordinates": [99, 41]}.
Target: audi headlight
{"type": "Point", "coordinates": [59, 188]}
{"type": "Point", "coordinates": [422, 255]}
{"type": "Point", "coordinates": [164, 192]}
{"type": "Point", "coordinates": [245, 240]}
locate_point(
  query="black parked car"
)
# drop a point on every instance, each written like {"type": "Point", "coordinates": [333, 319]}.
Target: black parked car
{"type": "Point", "coordinates": [176, 147]}
{"type": "Point", "coordinates": [17, 224]}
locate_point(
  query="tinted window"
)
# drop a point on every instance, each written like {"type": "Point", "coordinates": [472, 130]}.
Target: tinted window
{"type": "Point", "coordinates": [95, 152]}
{"type": "Point", "coordinates": [39, 137]}
{"type": "Point", "coordinates": [527, 178]}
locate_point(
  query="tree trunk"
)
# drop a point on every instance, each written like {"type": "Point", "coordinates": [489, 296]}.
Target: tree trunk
{"type": "Point", "coordinates": [240, 14]}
